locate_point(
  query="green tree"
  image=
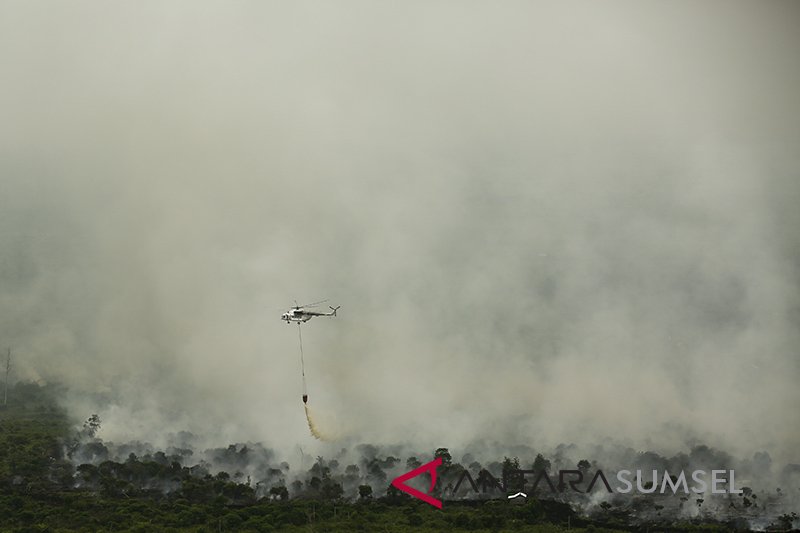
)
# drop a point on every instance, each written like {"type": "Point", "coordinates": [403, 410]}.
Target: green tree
{"type": "Point", "coordinates": [331, 490]}
{"type": "Point", "coordinates": [444, 453]}
{"type": "Point", "coordinates": [279, 492]}
{"type": "Point", "coordinates": [510, 465]}
{"type": "Point", "coordinates": [92, 425]}
{"type": "Point", "coordinates": [540, 463]}
{"type": "Point", "coordinates": [514, 480]}
{"type": "Point", "coordinates": [365, 492]}
{"type": "Point", "coordinates": [412, 463]}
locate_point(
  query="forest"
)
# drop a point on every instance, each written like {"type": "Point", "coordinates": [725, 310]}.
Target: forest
{"type": "Point", "coordinates": [56, 476]}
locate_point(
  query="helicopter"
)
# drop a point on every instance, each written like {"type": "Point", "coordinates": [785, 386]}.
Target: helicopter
{"type": "Point", "coordinates": [299, 314]}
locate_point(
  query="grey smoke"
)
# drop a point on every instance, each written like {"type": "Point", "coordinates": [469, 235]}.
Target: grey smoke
{"type": "Point", "coordinates": [545, 222]}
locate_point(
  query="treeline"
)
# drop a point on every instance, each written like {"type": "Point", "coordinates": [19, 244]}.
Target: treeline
{"type": "Point", "coordinates": [42, 489]}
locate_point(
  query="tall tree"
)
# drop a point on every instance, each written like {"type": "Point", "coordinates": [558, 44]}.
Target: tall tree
{"type": "Point", "coordinates": [8, 370]}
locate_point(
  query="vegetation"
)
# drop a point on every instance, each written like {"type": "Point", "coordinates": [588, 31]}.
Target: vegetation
{"type": "Point", "coordinates": [42, 489]}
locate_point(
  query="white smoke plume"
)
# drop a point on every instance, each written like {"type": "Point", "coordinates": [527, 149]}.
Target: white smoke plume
{"type": "Point", "coordinates": [544, 221]}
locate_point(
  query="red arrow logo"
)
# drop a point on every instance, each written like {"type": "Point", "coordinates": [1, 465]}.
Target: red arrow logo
{"type": "Point", "coordinates": [399, 482]}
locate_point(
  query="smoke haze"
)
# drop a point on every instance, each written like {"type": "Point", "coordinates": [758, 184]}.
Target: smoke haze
{"type": "Point", "coordinates": [545, 222]}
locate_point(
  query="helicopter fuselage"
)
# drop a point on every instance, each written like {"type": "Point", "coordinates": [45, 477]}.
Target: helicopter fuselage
{"type": "Point", "coordinates": [298, 315]}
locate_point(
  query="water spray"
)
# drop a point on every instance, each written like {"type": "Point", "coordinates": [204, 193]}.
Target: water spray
{"type": "Point", "coordinates": [315, 432]}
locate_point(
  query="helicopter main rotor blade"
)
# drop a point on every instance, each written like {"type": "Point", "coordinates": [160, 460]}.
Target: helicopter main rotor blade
{"type": "Point", "coordinates": [314, 304]}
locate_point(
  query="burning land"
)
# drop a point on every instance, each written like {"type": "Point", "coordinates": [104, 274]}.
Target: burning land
{"type": "Point", "coordinates": [399, 266]}
{"type": "Point", "coordinates": [57, 475]}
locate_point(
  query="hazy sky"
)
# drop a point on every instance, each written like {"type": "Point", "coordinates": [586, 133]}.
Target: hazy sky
{"type": "Point", "coordinates": [544, 221]}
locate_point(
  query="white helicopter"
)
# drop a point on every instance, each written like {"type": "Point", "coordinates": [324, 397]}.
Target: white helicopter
{"type": "Point", "coordinates": [299, 314]}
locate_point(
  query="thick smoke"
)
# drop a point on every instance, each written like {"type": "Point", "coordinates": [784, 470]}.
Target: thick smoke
{"type": "Point", "coordinates": [544, 222]}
